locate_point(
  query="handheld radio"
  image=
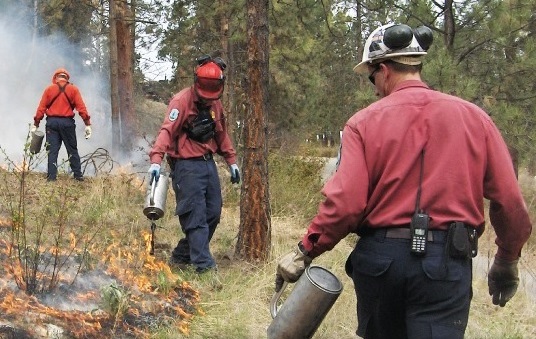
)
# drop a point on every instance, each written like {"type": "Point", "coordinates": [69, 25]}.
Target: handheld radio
{"type": "Point", "coordinates": [419, 221]}
{"type": "Point", "coordinates": [419, 233]}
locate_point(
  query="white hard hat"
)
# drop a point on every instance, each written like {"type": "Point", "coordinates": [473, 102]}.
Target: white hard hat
{"type": "Point", "coordinates": [394, 41]}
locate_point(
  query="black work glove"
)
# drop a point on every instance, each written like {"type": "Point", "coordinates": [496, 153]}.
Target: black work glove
{"type": "Point", "coordinates": [291, 267]}
{"type": "Point", "coordinates": [503, 279]}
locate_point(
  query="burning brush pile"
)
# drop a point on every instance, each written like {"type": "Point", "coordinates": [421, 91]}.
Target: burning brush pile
{"type": "Point", "coordinates": [112, 300]}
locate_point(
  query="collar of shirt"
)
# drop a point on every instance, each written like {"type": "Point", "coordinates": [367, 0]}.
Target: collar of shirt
{"type": "Point", "coordinates": [410, 83]}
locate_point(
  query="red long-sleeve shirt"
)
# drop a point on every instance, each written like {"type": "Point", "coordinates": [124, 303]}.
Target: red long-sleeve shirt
{"type": "Point", "coordinates": [172, 138]}
{"type": "Point", "coordinates": [465, 160]}
{"type": "Point", "coordinates": [61, 107]}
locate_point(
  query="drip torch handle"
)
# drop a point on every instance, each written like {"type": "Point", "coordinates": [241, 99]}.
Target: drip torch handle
{"type": "Point", "coordinates": [153, 189]}
{"type": "Point", "coordinates": [275, 299]}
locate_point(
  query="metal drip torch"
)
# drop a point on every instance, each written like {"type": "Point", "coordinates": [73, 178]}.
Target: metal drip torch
{"type": "Point", "coordinates": [308, 303]}
{"type": "Point", "coordinates": [155, 203]}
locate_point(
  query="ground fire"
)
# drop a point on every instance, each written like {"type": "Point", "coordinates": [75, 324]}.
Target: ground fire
{"type": "Point", "coordinates": [156, 297]}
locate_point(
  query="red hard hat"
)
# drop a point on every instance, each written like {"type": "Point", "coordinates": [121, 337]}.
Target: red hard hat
{"type": "Point", "coordinates": [209, 81]}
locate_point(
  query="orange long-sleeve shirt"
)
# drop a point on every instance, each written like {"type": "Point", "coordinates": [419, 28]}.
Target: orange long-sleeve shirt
{"type": "Point", "coordinates": [61, 106]}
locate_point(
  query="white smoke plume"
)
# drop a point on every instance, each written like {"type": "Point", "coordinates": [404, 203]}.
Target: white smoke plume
{"type": "Point", "coordinates": [27, 63]}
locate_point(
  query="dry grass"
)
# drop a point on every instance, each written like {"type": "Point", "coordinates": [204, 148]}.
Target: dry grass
{"type": "Point", "coordinates": [240, 308]}
{"type": "Point", "coordinates": [234, 302]}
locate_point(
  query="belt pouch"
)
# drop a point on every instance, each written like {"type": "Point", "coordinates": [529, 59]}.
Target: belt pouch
{"type": "Point", "coordinates": [458, 243]}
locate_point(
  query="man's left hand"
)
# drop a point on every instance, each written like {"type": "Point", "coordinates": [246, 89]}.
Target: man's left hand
{"type": "Point", "coordinates": [235, 174]}
{"type": "Point", "coordinates": [503, 279]}
{"type": "Point", "coordinates": [291, 267]}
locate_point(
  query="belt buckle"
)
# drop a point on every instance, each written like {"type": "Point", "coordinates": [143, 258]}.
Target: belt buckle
{"type": "Point", "coordinates": [206, 157]}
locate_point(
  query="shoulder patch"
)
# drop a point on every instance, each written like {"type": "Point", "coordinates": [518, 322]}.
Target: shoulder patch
{"type": "Point", "coordinates": [174, 114]}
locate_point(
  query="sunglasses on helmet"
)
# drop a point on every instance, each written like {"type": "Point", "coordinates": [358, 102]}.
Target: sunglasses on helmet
{"type": "Point", "coordinates": [207, 58]}
{"type": "Point", "coordinates": [400, 36]}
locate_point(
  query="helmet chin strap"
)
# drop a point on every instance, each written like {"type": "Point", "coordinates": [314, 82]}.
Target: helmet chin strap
{"type": "Point", "coordinates": [203, 102]}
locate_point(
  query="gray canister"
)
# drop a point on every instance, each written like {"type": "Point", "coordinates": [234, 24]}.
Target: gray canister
{"type": "Point", "coordinates": [306, 306]}
{"type": "Point", "coordinates": [155, 203]}
{"type": "Point", "coordinates": [36, 142]}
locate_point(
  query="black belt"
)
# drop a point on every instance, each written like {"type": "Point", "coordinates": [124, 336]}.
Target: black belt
{"type": "Point", "coordinates": [59, 117]}
{"type": "Point", "coordinates": [403, 233]}
{"type": "Point", "coordinates": [204, 157]}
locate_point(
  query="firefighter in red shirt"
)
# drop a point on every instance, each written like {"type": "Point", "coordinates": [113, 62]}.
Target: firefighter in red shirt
{"type": "Point", "coordinates": [58, 102]}
{"type": "Point", "coordinates": [192, 132]}
{"type": "Point", "coordinates": [414, 170]}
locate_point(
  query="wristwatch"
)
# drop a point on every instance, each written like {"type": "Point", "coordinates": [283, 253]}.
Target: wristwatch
{"type": "Point", "coordinates": [302, 249]}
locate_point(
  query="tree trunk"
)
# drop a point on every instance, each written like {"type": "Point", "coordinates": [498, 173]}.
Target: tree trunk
{"type": "Point", "coordinates": [226, 45]}
{"type": "Point", "coordinates": [114, 85]}
{"type": "Point", "coordinates": [254, 236]}
{"type": "Point", "coordinates": [125, 50]}
{"type": "Point", "coordinates": [450, 29]}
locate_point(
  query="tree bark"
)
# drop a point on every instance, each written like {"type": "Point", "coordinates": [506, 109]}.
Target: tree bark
{"type": "Point", "coordinates": [125, 50]}
{"type": "Point", "coordinates": [114, 85]}
{"type": "Point", "coordinates": [254, 237]}
{"type": "Point", "coordinates": [226, 45]}
{"type": "Point", "coordinates": [450, 27]}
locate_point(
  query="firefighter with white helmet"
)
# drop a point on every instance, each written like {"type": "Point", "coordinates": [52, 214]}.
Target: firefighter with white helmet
{"type": "Point", "coordinates": [398, 43]}
{"type": "Point", "coordinates": [414, 169]}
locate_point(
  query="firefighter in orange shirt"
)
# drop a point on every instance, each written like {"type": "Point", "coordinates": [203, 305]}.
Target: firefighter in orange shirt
{"type": "Point", "coordinates": [58, 102]}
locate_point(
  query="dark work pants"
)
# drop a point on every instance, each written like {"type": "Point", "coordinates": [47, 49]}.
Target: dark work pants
{"type": "Point", "coordinates": [199, 204]}
{"type": "Point", "coordinates": [60, 130]}
{"type": "Point", "coordinates": [400, 295]}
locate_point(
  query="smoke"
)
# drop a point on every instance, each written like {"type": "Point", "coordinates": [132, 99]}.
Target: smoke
{"type": "Point", "coordinates": [26, 68]}
{"type": "Point", "coordinates": [70, 296]}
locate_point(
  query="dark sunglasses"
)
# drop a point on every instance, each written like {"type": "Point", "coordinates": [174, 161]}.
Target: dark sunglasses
{"type": "Point", "coordinates": [372, 76]}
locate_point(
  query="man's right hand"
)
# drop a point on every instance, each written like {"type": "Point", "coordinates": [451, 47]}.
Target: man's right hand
{"type": "Point", "coordinates": [503, 279]}
{"type": "Point", "coordinates": [87, 132]}
{"type": "Point", "coordinates": [291, 267]}
{"type": "Point", "coordinates": [154, 172]}
{"type": "Point", "coordinates": [33, 129]}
